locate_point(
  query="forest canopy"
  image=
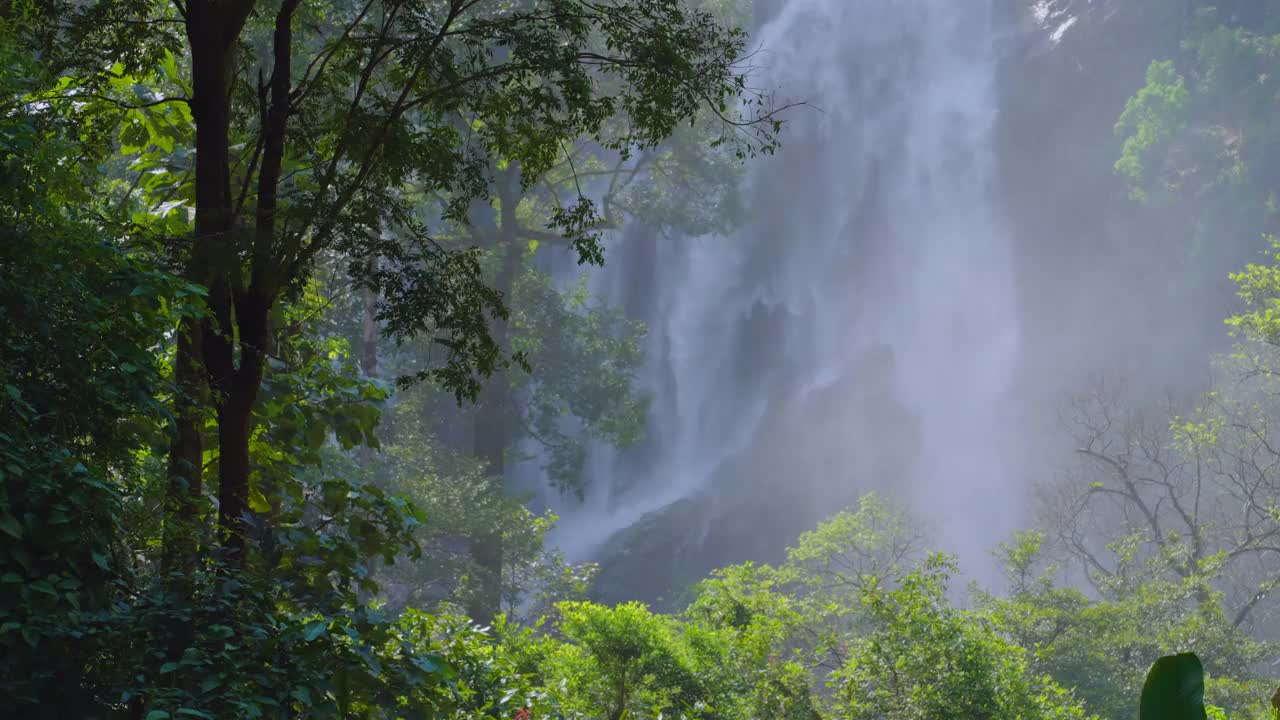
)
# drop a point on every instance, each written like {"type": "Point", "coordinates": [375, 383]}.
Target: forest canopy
{"type": "Point", "coordinates": [285, 323]}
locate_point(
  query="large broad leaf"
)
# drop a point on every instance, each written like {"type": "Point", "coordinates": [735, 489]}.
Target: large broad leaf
{"type": "Point", "coordinates": [1174, 689]}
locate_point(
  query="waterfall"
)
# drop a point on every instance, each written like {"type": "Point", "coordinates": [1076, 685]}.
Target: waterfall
{"type": "Point", "coordinates": [876, 225]}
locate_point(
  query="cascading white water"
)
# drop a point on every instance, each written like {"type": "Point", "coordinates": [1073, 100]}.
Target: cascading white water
{"type": "Point", "coordinates": [877, 223]}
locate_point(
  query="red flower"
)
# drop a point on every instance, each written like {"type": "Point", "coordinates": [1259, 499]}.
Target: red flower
{"type": "Point", "coordinates": [522, 714]}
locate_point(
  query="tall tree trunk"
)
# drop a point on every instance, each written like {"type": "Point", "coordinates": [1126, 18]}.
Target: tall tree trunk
{"type": "Point", "coordinates": [180, 543]}
{"type": "Point", "coordinates": [239, 311]}
{"type": "Point", "coordinates": [493, 416]}
{"type": "Point", "coordinates": [252, 309]}
{"type": "Point", "coordinates": [369, 316]}
{"type": "Point", "coordinates": [213, 30]}
{"type": "Point", "coordinates": [368, 353]}
{"type": "Point", "coordinates": [487, 546]}
{"type": "Point", "coordinates": [369, 333]}
{"type": "Point", "coordinates": [238, 390]}
{"type": "Point", "coordinates": [186, 457]}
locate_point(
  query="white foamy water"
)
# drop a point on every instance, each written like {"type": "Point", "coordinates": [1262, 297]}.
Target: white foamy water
{"type": "Point", "coordinates": [877, 223]}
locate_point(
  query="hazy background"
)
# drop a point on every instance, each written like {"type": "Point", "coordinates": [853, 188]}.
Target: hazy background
{"type": "Point", "coordinates": [938, 254]}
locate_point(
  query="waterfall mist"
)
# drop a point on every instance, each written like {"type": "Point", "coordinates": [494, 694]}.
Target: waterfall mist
{"type": "Point", "coordinates": [861, 331]}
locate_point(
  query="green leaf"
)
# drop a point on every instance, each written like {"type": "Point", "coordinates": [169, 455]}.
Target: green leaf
{"type": "Point", "coordinates": [157, 715]}
{"type": "Point", "coordinates": [169, 65]}
{"type": "Point", "coordinates": [1174, 689]}
{"type": "Point", "coordinates": [315, 434]}
{"type": "Point", "coordinates": [348, 435]}
{"type": "Point", "coordinates": [430, 663]}
{"type": "Point", "coordinates": [258, 502]}
{"type": "Point", "coordinates": [10, 525]}
{"type": "Point", "coordinates": [315, 630]}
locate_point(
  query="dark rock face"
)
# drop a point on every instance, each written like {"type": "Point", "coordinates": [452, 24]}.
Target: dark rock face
{"type": "Point", "coordinates": [763, 499]}
{"type": "Point", "coordinates": [652, 560]}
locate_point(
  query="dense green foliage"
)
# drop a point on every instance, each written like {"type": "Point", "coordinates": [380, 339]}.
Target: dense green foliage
{"type": "Point", "coordinates": [194, 501]}
{"type": "Point", "coordinates": [1200, 141]}
{"type": "Point", "coordinates": [280, 331]}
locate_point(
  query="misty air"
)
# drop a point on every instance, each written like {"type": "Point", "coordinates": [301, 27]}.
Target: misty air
{"type": "Point", "coordinates": [640, 359]}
